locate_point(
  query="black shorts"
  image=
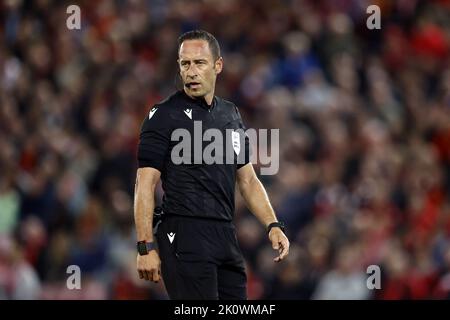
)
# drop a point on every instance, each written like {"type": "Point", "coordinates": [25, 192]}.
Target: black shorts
{"type": "Point", "coordinates": [201, 259]}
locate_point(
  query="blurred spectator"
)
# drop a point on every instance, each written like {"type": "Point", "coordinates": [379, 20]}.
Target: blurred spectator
{"type": "Point", "coordinates": [18, 279]}
{"type": "Point", "coordinates": [346, 281]}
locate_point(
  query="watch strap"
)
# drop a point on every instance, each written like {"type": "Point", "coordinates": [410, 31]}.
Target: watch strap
{"type": "Point", "coordinates": [277, 224]}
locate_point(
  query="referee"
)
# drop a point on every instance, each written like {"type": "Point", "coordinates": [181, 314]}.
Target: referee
{"type": "Point", "coordinates": [197, 254]}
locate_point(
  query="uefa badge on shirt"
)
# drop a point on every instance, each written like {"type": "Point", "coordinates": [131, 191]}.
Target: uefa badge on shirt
{"type": "Point", "coordinates": [236, 142]}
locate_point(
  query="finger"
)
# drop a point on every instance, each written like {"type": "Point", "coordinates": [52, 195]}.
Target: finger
{"type": "Point", "coordinates": [150, 275]}
{"type": "Point", "coordinates": [146, 275]}
{"type": "Point", "coordinates": [141, 274]}
{"type": "Point", "coordinates": [285, 251]}
{"type": "Point", "coordinates": [277, 258]}
{"type": "Point", "coordinates": [275, 244]}
{"type": "Point", "coordinates": [156, 275]}
{"type": "Point", "coordinates": [159, 273]}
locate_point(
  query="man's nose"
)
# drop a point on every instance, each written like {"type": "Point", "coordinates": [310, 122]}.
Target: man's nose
{"type": "Point", "coordinates": [192, 71]}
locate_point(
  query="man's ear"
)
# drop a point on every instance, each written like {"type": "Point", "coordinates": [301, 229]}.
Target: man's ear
{"type": "Point", "coordinates": [218, 65]}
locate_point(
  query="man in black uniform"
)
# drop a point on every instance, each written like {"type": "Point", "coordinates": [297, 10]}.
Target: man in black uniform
{"type": "Point", "coordinates": [200, 255]}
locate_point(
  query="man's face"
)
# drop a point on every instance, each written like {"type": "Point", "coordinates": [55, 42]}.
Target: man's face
{"type": "Point", "coordinates": [198, 68]}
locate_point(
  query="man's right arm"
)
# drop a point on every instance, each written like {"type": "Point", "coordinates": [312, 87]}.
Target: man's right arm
{"type": "Point", "coordinates": [153, 148]}
{"type": "Point", "coordinates": [149, 266]}
{"type": "Point", "coordinates": [144, 202]}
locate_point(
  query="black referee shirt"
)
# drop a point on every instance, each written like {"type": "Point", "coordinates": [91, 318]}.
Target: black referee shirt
{"type": "Point", "coordinates": [194, 188]}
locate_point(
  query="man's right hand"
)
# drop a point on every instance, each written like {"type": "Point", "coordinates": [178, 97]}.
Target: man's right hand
{"type": "Point", "coordinates": [149, 266]}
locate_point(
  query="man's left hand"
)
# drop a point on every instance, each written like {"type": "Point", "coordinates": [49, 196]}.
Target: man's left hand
{"type": "Point", "coordinates": [279, 242]}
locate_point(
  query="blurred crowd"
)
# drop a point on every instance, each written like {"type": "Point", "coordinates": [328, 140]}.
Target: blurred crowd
{"type": "Point", "coordinates": [364, 119]}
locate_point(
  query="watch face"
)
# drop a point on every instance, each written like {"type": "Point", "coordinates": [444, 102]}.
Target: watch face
{"type": "Point", "coordinates": [142, 248]}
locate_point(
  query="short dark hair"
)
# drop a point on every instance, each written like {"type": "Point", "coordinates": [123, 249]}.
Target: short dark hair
{"type": "Point", "coordinates": [201, 35]}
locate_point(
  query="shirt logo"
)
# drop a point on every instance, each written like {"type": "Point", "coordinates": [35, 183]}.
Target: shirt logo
{"type": "Point", "coordinates": [152, 112]}
{"type": "Point", "coordinates": [171, 236]}
{"type": "Point", "coordinates": [188, 112]}
{"type": "Point", "coordinates": [236, 142]}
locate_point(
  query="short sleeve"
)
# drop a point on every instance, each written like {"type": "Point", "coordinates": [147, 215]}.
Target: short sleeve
{"type": "Point", "coordinates": [244, 157]}
{"type": "Point", "coordinates": [154, 139]}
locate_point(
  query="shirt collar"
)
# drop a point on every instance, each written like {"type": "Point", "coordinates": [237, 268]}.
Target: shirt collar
{"type": "Point", "coordinates": [200, 101]}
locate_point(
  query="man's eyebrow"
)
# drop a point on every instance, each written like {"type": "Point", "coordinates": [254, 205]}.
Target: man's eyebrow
{"type": "Point", "coordinates": [195, 60]}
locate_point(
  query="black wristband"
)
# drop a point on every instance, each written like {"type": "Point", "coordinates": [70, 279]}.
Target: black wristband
{"type": "Point", "coordinates": [277, 224]}
{"type": "Point", "coordinates": [144, 247]}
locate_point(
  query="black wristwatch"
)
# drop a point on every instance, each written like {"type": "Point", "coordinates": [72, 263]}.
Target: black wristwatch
{"type": "Point", "coordinates": [277, 224]}
{"type": "Point", "coordinates": [144, 247]}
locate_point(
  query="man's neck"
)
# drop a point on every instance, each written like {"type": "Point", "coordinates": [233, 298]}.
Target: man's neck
{"type": "Point", "coordinates": [208, 98]}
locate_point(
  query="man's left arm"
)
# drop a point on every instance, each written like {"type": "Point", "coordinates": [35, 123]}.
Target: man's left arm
{"type": "Point", "coordinates": [258, 203]}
